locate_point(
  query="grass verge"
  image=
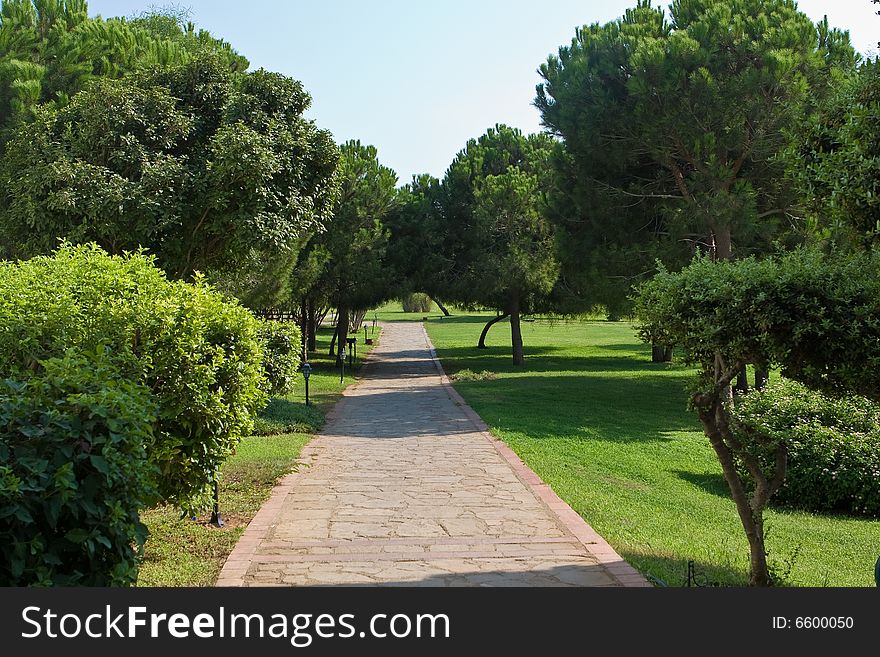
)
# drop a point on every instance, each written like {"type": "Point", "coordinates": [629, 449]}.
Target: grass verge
{"type": "Point", "coordinates": [609, 431]}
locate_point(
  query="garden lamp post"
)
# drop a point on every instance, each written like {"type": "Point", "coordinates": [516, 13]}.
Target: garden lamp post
{"type": "Point", "coordinates": [306, 370]}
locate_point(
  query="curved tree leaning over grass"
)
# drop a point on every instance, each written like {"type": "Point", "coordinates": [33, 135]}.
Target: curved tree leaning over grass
{"type": "Point", "coordinates": [816, 317]}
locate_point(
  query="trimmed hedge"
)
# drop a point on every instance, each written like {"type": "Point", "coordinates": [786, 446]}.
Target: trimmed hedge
{"type": "Point", "coordinates": [417, 302]}
{"type": "Point", "coordinates": [281, 343]}
{"type": "Point", "coordinates": [73, 474]}
{"type": "Point", "coordinates": [833, 446]}
{"type": "Point", "coordinates": [197, 351]}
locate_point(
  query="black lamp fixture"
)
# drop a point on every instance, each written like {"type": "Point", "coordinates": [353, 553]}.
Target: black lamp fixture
{"type": "Point", "coordinates": [306, 370]}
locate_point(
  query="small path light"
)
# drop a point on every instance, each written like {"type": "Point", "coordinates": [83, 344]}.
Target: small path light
{"type": "Point", "coordinates": [216, 520]}
{"type": "Point", "coordinates": [306, 370]}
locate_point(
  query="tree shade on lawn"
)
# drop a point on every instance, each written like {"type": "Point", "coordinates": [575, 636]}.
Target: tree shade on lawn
{"type": "Point", "coordinates": [610, 432]}
{"type": "Point", "coordinates": [816, 317]}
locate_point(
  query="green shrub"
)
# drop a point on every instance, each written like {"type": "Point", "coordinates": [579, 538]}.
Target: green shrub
{"type": "Point", "coordinates": [73, 474]}
{"type": "Point", "coordinates": [196, 350]}
{"type": "Point", "coordinates": [468, 375]}
{"type": "Point", "coordinates": [281, 343]}
{"type": "Point", "coordinates": [833, 446]}
{"type": "Point", "coordinates": [417, 302]}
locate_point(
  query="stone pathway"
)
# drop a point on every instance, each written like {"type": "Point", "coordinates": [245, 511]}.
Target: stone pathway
{"type": "Point", "coordinates": [404, 486]}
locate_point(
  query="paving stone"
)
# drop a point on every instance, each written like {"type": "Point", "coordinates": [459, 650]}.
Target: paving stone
{"type": "Point", "coordinates": [403, 487]}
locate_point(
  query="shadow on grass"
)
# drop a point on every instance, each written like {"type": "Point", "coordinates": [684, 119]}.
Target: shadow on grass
{"type": "Point", "coordinates": [673, 571]}
{"type": "Point", "coordinates": [710, 482]}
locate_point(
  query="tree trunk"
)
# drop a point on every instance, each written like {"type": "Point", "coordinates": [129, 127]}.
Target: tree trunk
{"type": "Point", "coordinates": [742, 380]}
{"type": "Point", "coordinates": [723, 249]}
{"type": "Point", "coordinates": [714, 420]}
{"type": "Point", "coordinates": [762, 375]}
{"type": "Point", "coordinates": [661, 353]}
{"type": "Point", "coordinates": [332, 351]}
{"type": "Point", "coordinates": [482, 343]}
{"type": "Point", "coordinates": [312, 326]}
{"type": "Point", "coordinates": [516, 333]}
{"type": "Point", "coordinates": [341, 333]}
{"type": "Point", "coordinates": [440, 306]}
{"type": "Point", "coordinates": [304, 330]}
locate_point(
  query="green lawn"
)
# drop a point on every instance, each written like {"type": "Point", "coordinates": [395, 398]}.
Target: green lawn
{"type": "Point", "coordinates": [183, 552]}
{"type": "Point", "coordinates": [609, 431]}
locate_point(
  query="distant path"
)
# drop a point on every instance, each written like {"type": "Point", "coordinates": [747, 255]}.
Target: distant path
{"type": "Point", "coordinates": [405, 486]}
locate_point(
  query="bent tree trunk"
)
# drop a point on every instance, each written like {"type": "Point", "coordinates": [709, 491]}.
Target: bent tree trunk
{"type": "Point", "coordinates": [713, 420]}
{"type": "Point", "coordinates": [516, 333]}
{"type": "Point", "coordinates": [482, 343]}
{"type": "Point", "coordinates": [440, 306]}
{"type": "Point", "coordinates": [341, 333]}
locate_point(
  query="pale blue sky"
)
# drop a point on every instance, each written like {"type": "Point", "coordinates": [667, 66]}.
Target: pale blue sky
{"type": "Point", "coordinates": [418, 79]}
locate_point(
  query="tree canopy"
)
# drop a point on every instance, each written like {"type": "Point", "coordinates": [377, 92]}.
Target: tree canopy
{"type": "Point", "coordinates": [50, 49]}
{"type": "Point", "coordinates": [200, 165]}
{"type": "Point", "coordinates": [499, 244]}
{"type": "Point", "coordinates": [673, 123]}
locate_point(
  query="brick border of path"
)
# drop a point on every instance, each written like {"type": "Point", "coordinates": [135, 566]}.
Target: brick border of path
{"type": "Point", "coordinates": [567, 517]}
{"type": "Point", "coordinates": [242, 555]}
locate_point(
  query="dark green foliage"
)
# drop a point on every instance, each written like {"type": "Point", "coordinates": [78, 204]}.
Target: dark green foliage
{"type": "Point", "coordinates": [497, 239]}
{"type": "Point", "coordinates": [816, 317]}
{"type": "Point", "coordinates": [282, 346]}
{"type": "Point", "coordinates": [671, 123]}
{"type": "Point", "coordinates": [835, 162]}
{"type": "Point", "coordinates": [50, 49]}
{"type": "Point", "coordinates": [208, 169]}
{"type": "Point", "coordinates": [498, 243]}
{"type": "Point", "coordinates": [197, 351]}
{"type": "Point", "coordinates": [74, 473]}
{"type": "Point", "coordinates": [833, 446]}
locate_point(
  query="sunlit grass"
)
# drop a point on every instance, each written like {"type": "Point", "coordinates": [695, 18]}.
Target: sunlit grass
{"type": "Point", "coordinates": [609, 431]}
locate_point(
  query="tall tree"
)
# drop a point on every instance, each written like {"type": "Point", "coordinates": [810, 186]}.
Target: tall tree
{"type": "Point", "coordinates": [417, 254]}
{"type": "Point", "coordinates": [204, 167]}
{"type": "Point", "coordinates": [50, 49]}
{"type": "Point", "coordinates": [682, 118]}
{"type": "Point", "coordinates": [500, 245]}
{"type": "Point", "coordinates": [354, 246]}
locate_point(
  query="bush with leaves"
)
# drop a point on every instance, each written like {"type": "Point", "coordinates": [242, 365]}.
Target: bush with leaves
{"type": "Point", "coordinates": [417, 302]}
{"type": "Point", "coordinates": [196, 350]}
{"type": "Point", "coordinates": [282, 343]}
{"type": "Point", "coordinates": [832, 445]}
{"type": "Point", "coordinates": [816, 317]}
{"type": "Point", "coordinates": [73, 473]}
